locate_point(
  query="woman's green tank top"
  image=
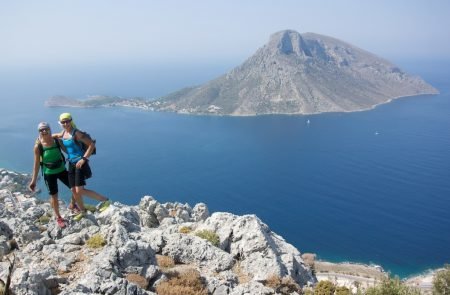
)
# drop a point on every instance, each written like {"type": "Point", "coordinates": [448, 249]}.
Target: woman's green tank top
{"type": "Point", "coordinates": [52, 155]}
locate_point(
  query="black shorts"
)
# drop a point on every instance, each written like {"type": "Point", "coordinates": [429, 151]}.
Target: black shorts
{"type": "Point", "coordinates": [77, 177]}
{"type": "Point", "coordinates": [51, 181]}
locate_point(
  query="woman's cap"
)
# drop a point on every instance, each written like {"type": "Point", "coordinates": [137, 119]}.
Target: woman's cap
{"type": "Point", "coordinates": [43, 125]}
{"type": "Point", "coordinates": [65, 116]}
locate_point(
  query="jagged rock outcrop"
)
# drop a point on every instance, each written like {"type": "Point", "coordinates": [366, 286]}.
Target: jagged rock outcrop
{"type": "Point", "coordinates": [52, 260]}
{"type": "Point", "coordinates": [299, 74]}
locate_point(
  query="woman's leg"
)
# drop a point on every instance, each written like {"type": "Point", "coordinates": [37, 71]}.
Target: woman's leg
{"type": "Point", "coordinates": [90, 193]}
{"type": "Point", "coordinates": [55, 204]}
{"type": "Point", "coordinates": [78, 198]}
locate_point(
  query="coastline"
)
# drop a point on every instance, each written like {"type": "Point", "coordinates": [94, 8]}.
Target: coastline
{"type": "Point", "coordinates": [351, 275]}
{"type": "Point", "coordinates": [149, 105]}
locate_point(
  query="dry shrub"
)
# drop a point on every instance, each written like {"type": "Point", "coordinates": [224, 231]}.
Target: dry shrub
{"type": "Point", "coordinates": [165, 261]}
{"type": "Point", "coordinates": [185, 229]}
{"type": "Point", "coordinates": [309, 259]}
{"type": "Point", "coordinates": [273, 281]}
{"type": "Point", "coordinates": [186, 283]}
{"type": "Point", "coordinates": [242, 276]}
{"type": "Point", "coordinates": [285, 285]}
{"type": "Point", "coordinates": [138, 280]}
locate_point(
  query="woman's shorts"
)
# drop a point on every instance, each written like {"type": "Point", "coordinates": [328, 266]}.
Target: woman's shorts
{"type": "Point", "coordinates": [77, 177]}
{"type": "Point", "coordinates": [51, 181]}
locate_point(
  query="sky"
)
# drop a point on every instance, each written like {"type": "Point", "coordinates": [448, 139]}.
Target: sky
{"type": "Point", "coordinates": [65, 32]}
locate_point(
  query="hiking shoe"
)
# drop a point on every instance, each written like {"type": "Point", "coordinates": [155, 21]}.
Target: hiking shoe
{"type": "Point", "coordinates": [103, 205]}
{"type": "Point", "coordinates": [61, 222]}
{"type": "Point", "coordinates": [74, 210]}
{"type": "Point", "coordinates": [80, 216]}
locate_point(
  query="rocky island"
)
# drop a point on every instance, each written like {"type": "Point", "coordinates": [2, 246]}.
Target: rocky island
{"type": "Point", "coordinates": [292, 74]}
{"type": "Point", "coordinates": [155, 248]}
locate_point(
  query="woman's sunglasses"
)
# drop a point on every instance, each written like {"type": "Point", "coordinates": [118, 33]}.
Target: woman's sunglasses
{"type": "Point", "coordinates": [65, 122]}
{"type": "Point", "coordinates": [43, 129]}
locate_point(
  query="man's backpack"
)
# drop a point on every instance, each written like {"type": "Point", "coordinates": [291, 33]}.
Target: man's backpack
{"type": "Point", "coordinates": [81, 144]}
{"type": "Point", "coordinates": [49, 165]}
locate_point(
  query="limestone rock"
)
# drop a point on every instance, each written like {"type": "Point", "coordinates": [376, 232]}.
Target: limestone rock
{"type": "Point", "coordinates": [49, 258]}
{"type": "Point", "coordinates": [260, 251]}
{"type": "Point", "coordinates": [191, 249]}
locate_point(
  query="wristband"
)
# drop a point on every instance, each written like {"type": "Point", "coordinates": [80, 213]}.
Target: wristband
{"type": "Point", "coordinates": [84, 158]}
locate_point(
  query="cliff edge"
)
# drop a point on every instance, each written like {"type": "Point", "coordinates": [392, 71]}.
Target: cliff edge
{"type": "Point", "coordinates": [137, 249]}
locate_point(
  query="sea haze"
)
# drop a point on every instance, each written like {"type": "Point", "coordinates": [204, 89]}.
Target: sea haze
{"type": "Point", "coordinates": [369, 186]}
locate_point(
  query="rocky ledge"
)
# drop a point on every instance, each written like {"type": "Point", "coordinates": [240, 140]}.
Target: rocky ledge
{"type": "Point", "coordinates": [135, 249]}
{"type": "Point", "coordinates": [143, 249]}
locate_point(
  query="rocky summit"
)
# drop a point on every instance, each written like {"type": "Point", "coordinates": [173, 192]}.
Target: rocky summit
{"type": "Point", "coordinates": [138, 249]}
{"type": "Point", "coordinates": [299, 74]}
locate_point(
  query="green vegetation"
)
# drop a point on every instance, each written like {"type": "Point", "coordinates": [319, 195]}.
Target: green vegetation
{"type": "Point", "coordinates": [210, 236]}
{"type": "Point", "coordinates": [342, 291]}
{"type": "Point", "coordinates": [185, 229]}
{"type": "Point", "coordinates": [96, 241]}
{"type": "Point", "coordinates": [391, 286]}
{"type": "Point", "coordinates": [441, 281]}
{"type": "Point", "coordinates": [44, 219]}
{"type": "Point", "coordinates": [324, 288]}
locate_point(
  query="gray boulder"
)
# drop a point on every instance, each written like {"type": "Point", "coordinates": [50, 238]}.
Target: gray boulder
{"type": "Point", "coordinates": [260, 251]}
{"type": "Point", "coordinates": [192, 249]}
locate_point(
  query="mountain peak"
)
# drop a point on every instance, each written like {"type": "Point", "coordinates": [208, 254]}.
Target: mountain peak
{"type": "Point", "coordinates": [288, 42]}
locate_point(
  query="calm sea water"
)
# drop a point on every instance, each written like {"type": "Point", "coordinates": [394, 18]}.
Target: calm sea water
{"type": "Point", "coordinates": [367, 187]}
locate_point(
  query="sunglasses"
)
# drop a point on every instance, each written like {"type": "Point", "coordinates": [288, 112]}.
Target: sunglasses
{"type": "Point", "coordinates": [65, 122]}
{"type": "Point", "coordinates": [43, 129]}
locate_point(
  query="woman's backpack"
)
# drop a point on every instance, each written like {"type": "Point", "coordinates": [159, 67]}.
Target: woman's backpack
{"type": "Point", "coordinates": [81, 144]}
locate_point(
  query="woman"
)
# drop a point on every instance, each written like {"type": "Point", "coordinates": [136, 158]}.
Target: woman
{"type": "Point", "coordinates": [79, 169]}
{"type": "Point", "coordinates": [47, 153]}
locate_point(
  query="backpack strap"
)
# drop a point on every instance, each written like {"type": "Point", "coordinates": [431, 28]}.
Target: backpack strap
{"type": "Point", "coordinates": [41, 153]}
{"type": "Point", "coordinates": [59, 147]}
{"type": "Point", "coordinates": [77, 142]}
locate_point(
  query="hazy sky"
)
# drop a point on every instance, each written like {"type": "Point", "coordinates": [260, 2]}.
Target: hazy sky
{"type": "Point", "coordinates": [137, 31]}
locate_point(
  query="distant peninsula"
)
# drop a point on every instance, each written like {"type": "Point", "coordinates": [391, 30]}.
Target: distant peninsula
{"type": "Point", "coordinates": [292, 74]}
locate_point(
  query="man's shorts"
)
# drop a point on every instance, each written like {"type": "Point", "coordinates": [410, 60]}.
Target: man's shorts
{"type": "Point", "coordinates": [77, 177]}
{"type": "Point", "coordinates": [51, 181]}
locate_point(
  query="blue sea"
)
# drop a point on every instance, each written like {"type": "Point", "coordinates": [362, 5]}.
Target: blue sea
{"type": "Point", "coordinates": [370, 187]}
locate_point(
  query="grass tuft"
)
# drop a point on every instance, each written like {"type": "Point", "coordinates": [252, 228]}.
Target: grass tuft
{"type": "Point", "coordinates": [210, 236]}
{"type": "Point", "coordinates": [96, 241]}
{"type": "Point", "coordinates": [44, 219]}
{"type": "Point", "coordinates": [185, 229]}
